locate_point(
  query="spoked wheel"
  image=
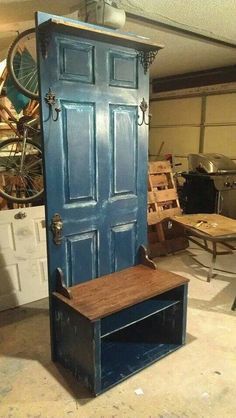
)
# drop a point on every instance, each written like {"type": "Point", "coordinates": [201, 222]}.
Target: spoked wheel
{"type": "Point", "coordinates": [22, 63]}
{"type": "Point", "coordinates": [21, 177]}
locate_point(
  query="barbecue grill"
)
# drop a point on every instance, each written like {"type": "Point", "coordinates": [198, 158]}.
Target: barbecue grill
{"type": "Point", "coordinates": [210, 185]}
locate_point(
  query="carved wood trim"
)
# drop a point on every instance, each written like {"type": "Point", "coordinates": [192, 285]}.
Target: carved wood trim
{"type": "Point", "coordinates": [144, 258]}
{"type": "Point", "coordinates": [60, 284]}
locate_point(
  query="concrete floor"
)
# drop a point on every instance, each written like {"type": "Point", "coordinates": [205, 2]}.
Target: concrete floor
{"type": "Point", "coordinates": [199, 380]}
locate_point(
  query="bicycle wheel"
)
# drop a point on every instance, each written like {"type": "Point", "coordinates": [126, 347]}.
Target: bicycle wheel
{"type": "Point", "coordinates": [21, 180]}
{"type": "Point", "coordinates": [22, 63]}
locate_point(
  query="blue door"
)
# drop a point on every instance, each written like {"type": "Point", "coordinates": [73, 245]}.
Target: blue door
{"type": "Point", "coordinates": [95, 153]}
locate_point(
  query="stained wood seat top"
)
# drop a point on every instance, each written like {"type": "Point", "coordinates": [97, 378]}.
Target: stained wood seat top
{"type": "Point", "coordinates": [109, 294]}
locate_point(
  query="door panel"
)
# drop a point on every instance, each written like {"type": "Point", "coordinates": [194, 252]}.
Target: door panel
{"type": "Point", "coordinates": [123, 140]}
{"type": "Point", "coordinates": [95, 156]}
{"type": "Point", "coordinates": [123, 245]}
{"type": "Point", "coordinates": [82, 255]}
{"type": "Point", "coordinates": [79, 140]}
{"type": "Point", "coordinates": [123, 69]}
{"type": "Point", "coordinates": [76, 61]}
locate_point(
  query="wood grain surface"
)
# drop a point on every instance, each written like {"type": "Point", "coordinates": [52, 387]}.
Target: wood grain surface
{"type": "Point", "coordinates": [108, 294]}
{"type": "Point", "coordinates": [209, 223]}
{"type": "Point", "coordinates": [103, 34]}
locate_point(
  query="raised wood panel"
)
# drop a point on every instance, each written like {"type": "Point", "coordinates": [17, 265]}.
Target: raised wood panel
{"type": "Point", "coordinates": [10, 280]}
{"type": "Point", "coordinates": [79, 140]}
{"type": "Point", "coordinates": [43, 269]}
{"type": "Point", "coordinates": [6, 237]}
{"type": "Point", "coordinates": [123, 69]}
{"type": "Point", "coordinates": [76, 61]}
{"type": "Point", "coordinates": [123, 142]}
{"type": "Point", "coordinates": [40, 230]}
{"type": "Point", "coordinates": [82, 256]}
{"type": "Point", "coordinates": [123, 246]}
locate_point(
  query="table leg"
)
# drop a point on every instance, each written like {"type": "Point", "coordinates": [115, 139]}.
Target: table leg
{"type": "Point", "coordinates": [205, 243]}
{"type": "Point", "coordinates": [234, 305]}
{"type": "Point", "coordinates": [213, 261]}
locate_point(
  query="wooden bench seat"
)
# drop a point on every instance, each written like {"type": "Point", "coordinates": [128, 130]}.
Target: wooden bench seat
{"type": "Point", "coordinates": [111, 293]}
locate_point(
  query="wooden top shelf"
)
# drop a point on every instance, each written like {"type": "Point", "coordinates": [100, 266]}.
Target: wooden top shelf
{"type": "Point", "coordinates": [99, 33]}
{"type": "Point", "coordinates": [106, 295]}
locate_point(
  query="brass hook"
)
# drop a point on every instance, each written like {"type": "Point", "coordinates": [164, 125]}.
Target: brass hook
{"type": "Point", "coordinates": [57, 110]}
{"type": "Point", "coordinates": [144, 107]}
{"type": "Point", "coordinates": [51, 100]}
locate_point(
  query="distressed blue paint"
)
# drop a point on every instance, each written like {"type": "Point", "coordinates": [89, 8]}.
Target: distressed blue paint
{"type": "Point", "coordinates": [79, 140]}
{"type": "Point", "coordinates": [95, 155]}
{"type": "Point", "coordinates": [74, 349]}
{"type": "Point", "coordinates": [123, 240]}
{"type": "Point", "coordinates": [95, 168]}
{"type": "Point", "coordinates": [135, 313]}
{"type": "Point", "coordinates": [82, 255]}
{"type": "Point", "coordinates": [120, 359]}
{"type": "Point", "coordinates": [76, 61]}
{"type": "Point", "coordinates": [124, 135]}
{"type": "Point", "coordinates": [123, 70]}
{"type": "Point", "coordinates": [107, 351]}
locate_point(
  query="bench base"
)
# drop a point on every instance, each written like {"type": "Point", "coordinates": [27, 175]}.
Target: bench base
{"type": "Point", "coordinates": [114, 326]}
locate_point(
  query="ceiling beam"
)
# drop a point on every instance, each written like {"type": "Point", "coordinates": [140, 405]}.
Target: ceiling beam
{"type": "Point", "coordinates": [195, 79]}
{"type": "Point", "coordinates": [184, 30]}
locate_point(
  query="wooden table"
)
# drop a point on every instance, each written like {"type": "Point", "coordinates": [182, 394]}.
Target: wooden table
{"type": "Point", "coordinates": [212, 228]}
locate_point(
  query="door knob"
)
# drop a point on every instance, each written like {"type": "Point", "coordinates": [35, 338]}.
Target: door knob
{"type": "Point", "coordinates": [56, 228]}
{"type": "Point", "coordinates": [20, 215]}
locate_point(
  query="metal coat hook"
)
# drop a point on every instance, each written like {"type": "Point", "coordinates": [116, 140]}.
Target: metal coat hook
{"type": "Point", "coordinates": [144, 107]}
{"type": "Point", "coordinates": [51, 100]}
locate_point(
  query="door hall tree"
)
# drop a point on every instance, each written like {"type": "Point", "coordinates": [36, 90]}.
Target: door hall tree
{"type": "Point", "coordinates": [92, 83]}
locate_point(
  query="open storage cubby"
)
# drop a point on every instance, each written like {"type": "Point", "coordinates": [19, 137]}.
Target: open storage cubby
{"type": "Point", "coordinates": [136, 346]}
{"type": "Point", "coordinates": [138, 312]}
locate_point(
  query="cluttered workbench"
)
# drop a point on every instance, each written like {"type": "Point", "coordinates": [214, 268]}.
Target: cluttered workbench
{"type": "Point", "coordinates": [209, 228]}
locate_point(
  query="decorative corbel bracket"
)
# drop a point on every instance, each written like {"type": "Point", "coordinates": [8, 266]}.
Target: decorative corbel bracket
{"type": "Point", "coordinates": [144, 258]}
{"type": "Point", "coordinates": [146, 58]}
{"type": "Point", "coordinates": [60, 284]}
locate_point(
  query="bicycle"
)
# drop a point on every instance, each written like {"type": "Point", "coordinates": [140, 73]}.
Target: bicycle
{"type": "Point", "coordinates": [21, 166]}
{"type": "Point", "coordinates": [22, 63]}
{"type": "Point", "coordinates": [21, 178]}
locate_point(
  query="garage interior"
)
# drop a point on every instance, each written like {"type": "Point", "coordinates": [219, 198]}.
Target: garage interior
{"type": "Point", "coordinates": [192, 104]}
